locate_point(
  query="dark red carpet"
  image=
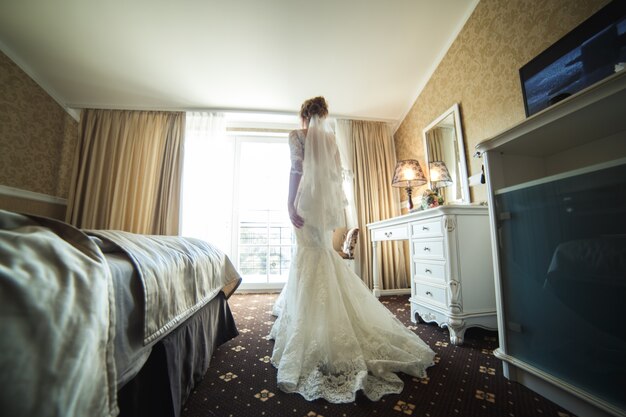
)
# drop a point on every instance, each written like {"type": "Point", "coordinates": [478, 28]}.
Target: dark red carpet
{"type": "Point", "coordinates": [467, 380]}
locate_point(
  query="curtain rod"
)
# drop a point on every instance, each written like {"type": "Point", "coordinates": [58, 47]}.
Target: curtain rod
{"type": "Point", "coordinates": [229, 110]}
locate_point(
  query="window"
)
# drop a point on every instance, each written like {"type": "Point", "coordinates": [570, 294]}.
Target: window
{"type": "Point", "coordinates": [265, 245]}
{"type": "Point", "coordinates": [264, 237]}
{"type": "Point", "coordinates": [235, 190]}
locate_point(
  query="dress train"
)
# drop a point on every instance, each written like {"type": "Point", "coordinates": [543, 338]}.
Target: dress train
{"type": "Point", "coordinates": [332, 336]}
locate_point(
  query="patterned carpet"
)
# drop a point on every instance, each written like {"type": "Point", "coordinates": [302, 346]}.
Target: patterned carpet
{"type": "Point", "coordinates": [466, 380]}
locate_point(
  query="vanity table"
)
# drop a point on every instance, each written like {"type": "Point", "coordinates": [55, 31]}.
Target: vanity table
{"type": "Point", "coordinates": [451, 269]}
{"type": "Point", "coordinates": [451, 265]}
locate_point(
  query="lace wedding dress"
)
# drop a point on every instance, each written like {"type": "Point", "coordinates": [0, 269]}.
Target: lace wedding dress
{"type": "Point", "coordinates": [332, 336]}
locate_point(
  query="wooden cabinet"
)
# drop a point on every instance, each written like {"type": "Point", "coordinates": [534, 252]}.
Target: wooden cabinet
{"type": "Point", "coordinates": [557, 207]}
{"type": "Point", "coordinates": [451, 265]}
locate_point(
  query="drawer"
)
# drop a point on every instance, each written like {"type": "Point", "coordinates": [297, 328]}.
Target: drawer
{"type": "Point", "coordinates": [430, 293]}
{"type": "Point", "coordinates": [429, 270]}
{"type": "Point", "coordinates": [391, 233]}
{"type": "Point", "coordinates": [426, 228]}
{"type": "Point", "coordinates": [427, 249]}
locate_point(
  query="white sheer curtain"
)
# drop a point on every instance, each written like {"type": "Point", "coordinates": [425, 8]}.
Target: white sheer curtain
{"type": "Point", "coordinates": [208, 173]}
{"type": "Point", "coordinates": [344, 137]}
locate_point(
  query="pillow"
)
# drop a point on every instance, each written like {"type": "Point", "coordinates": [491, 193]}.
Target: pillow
{"type": "Point", "coordinates": [593, 259]}
{"type": "Point", "coordinates": [339, 236]}
{"type": "Point", "coordinates": [350, 242]}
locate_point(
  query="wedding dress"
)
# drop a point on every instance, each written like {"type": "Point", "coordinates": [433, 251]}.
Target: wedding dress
{"type": "Point", "coordinates": [332, 336]}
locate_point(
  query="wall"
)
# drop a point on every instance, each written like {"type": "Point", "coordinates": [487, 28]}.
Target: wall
{"type": "Point", "coordinates": [37, 140]}
{"type": "Point", "coordinates": [480, 72]}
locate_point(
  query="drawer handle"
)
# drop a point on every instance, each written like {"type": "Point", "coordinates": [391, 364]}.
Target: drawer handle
{"type": "Point", "coordinates": [425, 228]}
{"type": "Point", "coordinates": [388, 234]}
{"type": "Point", "coordinates": [428, 271]}
{"type": "Point", "coordinates": [426, 249]}
{"type": "Point", "coordinates": [429, 293]}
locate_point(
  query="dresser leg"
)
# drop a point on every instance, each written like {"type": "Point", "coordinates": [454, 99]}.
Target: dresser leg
{"type": "Point", "coordinates": [457, 331]}
{"type": "Point", "coordinates": [415, 317]}
{"type": "Point", "coordinates": [375, 271]}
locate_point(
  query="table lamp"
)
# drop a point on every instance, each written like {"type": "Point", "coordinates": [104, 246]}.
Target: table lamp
{"type": "Point", "coordinates": [439, 176]}
{"type": "Point", "coordinates": [408, 174]}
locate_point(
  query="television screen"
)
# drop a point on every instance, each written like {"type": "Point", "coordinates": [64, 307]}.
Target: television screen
{"type": "Point", "coordinates": [592, 51]}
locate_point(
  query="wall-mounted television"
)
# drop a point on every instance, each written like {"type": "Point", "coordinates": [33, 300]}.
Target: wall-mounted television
{"type": "Point", "coordinates": [589, 53]}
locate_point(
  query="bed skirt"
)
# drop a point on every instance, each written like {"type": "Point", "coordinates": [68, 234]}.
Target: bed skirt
{"type": "Point", "coordinates": [177, 363]}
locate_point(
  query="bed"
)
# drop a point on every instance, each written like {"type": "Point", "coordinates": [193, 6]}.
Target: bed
{"type": "Point", "coordinates": [585, 270]}
{"type": "Point", "coordinates": [102, 323]}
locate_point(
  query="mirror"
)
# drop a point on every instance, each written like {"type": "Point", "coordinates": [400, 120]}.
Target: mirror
{"type": "Point", "coordinates": [443, 142]}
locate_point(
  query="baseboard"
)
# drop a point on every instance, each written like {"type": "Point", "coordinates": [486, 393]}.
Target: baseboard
{"type": "Point", "coordinates": [397, 291]}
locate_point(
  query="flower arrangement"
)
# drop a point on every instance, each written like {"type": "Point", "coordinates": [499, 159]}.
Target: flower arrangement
{"type": "Point", "coordinates": [431, 199]}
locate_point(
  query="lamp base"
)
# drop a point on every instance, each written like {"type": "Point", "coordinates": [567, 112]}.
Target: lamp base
{"type": "Point", "coordinates": [408, 193]}
{"type": "Point", "coordinates": [440, 198]}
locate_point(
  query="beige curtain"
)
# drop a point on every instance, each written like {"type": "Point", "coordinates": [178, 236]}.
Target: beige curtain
{"type": "Point", "coordinates": [374, 159]}
{"type": "Point", "coordinates": [435, 138]}
{"type": "Point", "coordinates": [442, 147]}
{"type": "Point", "coordinates": [127, 171]}
{"type": "Point", "coordinates": [436, 153]}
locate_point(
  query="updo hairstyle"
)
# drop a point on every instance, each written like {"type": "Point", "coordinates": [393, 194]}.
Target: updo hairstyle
{"type": "Point", "coordinates": [314, 107]}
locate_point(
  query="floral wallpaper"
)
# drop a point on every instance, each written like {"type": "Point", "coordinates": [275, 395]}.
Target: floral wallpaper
{"type": "Point", "coordinates": [37, 136]}
{"type": "Point", "coordinates": [480, 72]}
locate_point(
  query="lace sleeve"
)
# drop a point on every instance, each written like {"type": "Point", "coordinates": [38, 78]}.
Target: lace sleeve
{"type": "Point", "coordinates": [296, 147]}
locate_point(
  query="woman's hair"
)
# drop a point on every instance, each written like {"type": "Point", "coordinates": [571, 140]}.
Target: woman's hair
{"type": "Point", "coordinates": [314, 107]}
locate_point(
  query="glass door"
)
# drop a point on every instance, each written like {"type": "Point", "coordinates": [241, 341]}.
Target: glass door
{"type": "Point", "coordinates": [265, 240]}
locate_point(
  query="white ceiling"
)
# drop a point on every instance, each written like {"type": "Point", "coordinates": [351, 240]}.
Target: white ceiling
{"type": "Point", "coordinates": [369, 58]}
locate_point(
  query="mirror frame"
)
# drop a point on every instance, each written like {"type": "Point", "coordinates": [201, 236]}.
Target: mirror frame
{"type": "Point", "coordinates": [465, 194]}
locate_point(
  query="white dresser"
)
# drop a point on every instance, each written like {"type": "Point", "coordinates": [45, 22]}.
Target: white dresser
{"type": "Point", "coordinates": [451, 265]}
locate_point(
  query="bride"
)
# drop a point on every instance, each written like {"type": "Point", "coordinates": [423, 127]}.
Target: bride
{"type": "Point", "coordinates": [332, 336]}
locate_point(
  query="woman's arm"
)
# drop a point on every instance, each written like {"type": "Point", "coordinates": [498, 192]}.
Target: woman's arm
{"type": "Point", "coordinates": [294, 182]}
{"type": "Point", "coordinates": [296, 150]}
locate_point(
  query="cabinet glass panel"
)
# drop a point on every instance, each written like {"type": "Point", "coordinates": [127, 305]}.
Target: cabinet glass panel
{"type": "Point", "coordinates": [563, 266]}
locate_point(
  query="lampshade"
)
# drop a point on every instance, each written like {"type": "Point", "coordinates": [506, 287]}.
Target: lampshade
{"type": "Point", "coordinates": [439, 174]}
{"type": "Point", "coordinates": [408, 174]}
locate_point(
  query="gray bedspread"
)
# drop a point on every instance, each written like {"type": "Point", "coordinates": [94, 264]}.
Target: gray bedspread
{"type": "Point", "coordinates": [130, 352]}
{"type": "Point", "coordinates": [179, 276]}
{"type": "Point", "coordinates": [56, 321]}
{"type": "Point", "coordinates": [58, 306]}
